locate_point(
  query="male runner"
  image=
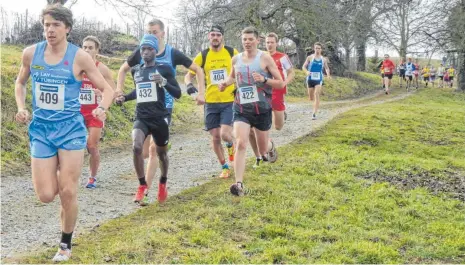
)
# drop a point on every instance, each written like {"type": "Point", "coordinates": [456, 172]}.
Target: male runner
{"type": "Point", "coordinates": [416, 73]}
{"type": "Point", "coordinates": [401, 72]}
{"type": "Point", "coordinates": [252, 72]}
{"type": "Point", "coordinates": [425, 72]}
{"type": "Point", "coordinates": [409, 69]}
{"type": "Point", "coordinates": [57, 132]}
{"type": "Point", "coordinates": [441, 71]}
{"type": "Point", "coordinates": [432, 75]}
{"type": "Point", "coordinates": [313, 67]}
{"type": "Point", "coordinates": [277, 100]}
{"type": "Point", "coordinates": [89, 99]}
{"type": "Point", "coordinates": [172, 57]}
{"type": "Point", "coordinates": [389, 68]}
{"type": "Point", "coordinates": [152, 80]}
{"type": "Point", "coordinates": [451, 72]}
{"type": "Point", "coordinates": [216, 62]}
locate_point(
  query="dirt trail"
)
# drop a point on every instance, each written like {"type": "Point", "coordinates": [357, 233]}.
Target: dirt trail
{"type": "Point", "coordinates": [28, 224]}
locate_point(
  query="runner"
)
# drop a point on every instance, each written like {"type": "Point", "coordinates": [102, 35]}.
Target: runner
{"type": "Point", "coordinates": [425, 72]}
{"type": "Point", "coordinates": [172, 57]}
{"type": "Point", "coordinates": [277, 100]}
{"type": "Point", "coordinates": [152, 116]}
{"type": "Point", "coordinates": [388, 67]}
{"type": "Point", "coordinates": [432, 75]}
{"type": "Point", "coordinates": [401, 72]}
{"type": "Point", "coordinates": [216, 62]}
{"type": "Point", "coordinates": [313, 67]}
{"type": "Point", "coordinates": [440, 72]}
{"type": "Point", "coordinates": [446, 76]}
{"type": "Point", "coordinates": [57, 132]}
{"type": "Point", "coordinates": [89, 98]}
{"type": "Point", "coordinates": [416, 73]}
{"type": "Point", "coordinates": [410, 69]}
{"type": "Point", "coordinates": [451, 72]}
{"type": "Point", "coordinates": [252, 72]}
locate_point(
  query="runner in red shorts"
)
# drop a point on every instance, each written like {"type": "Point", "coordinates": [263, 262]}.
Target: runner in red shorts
{"type": "Point", "coordinates": [89, 98]}
{"type": "Point", "coordinates": [277, 99]}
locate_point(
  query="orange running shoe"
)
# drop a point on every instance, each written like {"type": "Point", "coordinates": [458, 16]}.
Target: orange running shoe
{"type": "Point", "coordinates": [162, 192]}
{"type": "Point", "coordinates": [140, 193]}
{"type": "Point", "coordinates": [225, 173]}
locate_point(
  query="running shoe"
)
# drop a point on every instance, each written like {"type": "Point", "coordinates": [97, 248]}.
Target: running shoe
{"type": "Point", "coordinates": [257, 163]}
{"type": "Point", "coordinates": [162, 192]}
{"type": "Point", "coordinates": [63, 253]}
{"type": "Point", "coordinates": [91, 183]}
{"type": "Point", "coordinates": [313, 116]}
{"type": "Point", "coordinates": [273, 153]}
{"type": "Point", "coordinates": [225, 173]}
{"type": "Point", "coordinates": [231, 151]}
{"type": "Point", "coordinates": [145, 201]}
{"type": "Point", "coordinates": [141, 191]}
{"type": "Point", "coordinates": [237, 189]}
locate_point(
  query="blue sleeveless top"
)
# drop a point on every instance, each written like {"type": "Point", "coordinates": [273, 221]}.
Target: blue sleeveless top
{"type": "Point", "coordinates": [314, 67]}
{"type": "Point", "coordinates": [55, 90]}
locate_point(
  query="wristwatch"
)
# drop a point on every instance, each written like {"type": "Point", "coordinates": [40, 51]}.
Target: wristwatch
{"type": "Point", "coordinates": [265, 80]}
{"type": "Point", "coordinates": [102, 108]}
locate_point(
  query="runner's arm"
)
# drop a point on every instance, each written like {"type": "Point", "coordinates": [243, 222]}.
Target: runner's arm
{"type": "Point", "coordinates": [304, 67]}
{"type": "Point", "coordinates": [23, 76]}
{"type": "Point", "coordinates": [131, 95]}
{"type": "Point", "coordinates": [277, 82]}
{"type": "Point", "coordinates": [87, 65]}
{"type": "Point", "coordinates": [290, 76]}
{"type": "Point", "coordinates": [172, 85]}
{"type": "Point", "coordinates": [325, 62]}
{"type": "Point", "coordinates": [200, 76]}
{"type": "Point", "coordinates": [123, 70]}
{"type": "Point", "coordinates": [105, 71]}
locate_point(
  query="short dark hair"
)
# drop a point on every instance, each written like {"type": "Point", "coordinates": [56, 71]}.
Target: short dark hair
{"type": "Point", "coordinates": [60, 13]}
{"type": "Point", "coordinates": [94, 39]}
{"type": "Point", "coordinates": [249, 30]}
{"type": "Point", "coordinates": [273, 35]}
{"type": "Point", "coordinates": [156, 21]}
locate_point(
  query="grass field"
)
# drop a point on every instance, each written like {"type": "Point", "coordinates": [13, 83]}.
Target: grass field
{"type": "Point", "coordinates": [366, 188]}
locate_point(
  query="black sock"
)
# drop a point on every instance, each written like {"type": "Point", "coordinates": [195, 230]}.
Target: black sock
{"type": "Point", "coordinates": [142, 181]}
{"type": "Point", "coordinates": [163, 180]}
{"type": "Point", "coordinates": [265, 158]}
{"type": "Point", "coordinates": [66, 238]}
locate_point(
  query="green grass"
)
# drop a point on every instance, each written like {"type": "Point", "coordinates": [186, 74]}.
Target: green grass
{"type": "Point", "coordinates": [317, 203]}
{"type": "Point", "coordinates": [15, 146]}
{"type": "Point", "coordinates": [337, 88]}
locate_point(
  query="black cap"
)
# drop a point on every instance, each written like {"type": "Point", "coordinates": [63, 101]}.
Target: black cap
{"type": "Point", "coordinates": [216, 28]}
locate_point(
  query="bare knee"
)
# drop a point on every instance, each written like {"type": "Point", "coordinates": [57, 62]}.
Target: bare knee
{"type": "Point", "coordinates": [47, 196]}
{"type": "Point", "coordinates": [241, 144]}
{"type": "Point", "coordinates": [278, 126]}
{"type": "Point", "coordinates": [93, 150]}
{"type": "Point", "coordinates": [137, 148]}
{"type": "Point", "coordinates": [68, 195]}
{"type": "Point", "coordinates": [225, 136]}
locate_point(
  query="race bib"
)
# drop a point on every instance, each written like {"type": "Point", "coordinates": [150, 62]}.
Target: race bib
{"type": "Point", "coordinates": [87, 97]}
{"type": "Point", "coordinates": [315, 75]}
{"type": "Point", "coordinates": [248, 94]}
{"type": "Point", "coordinates": [146, 92]}
{"type": "Point", "coordinates": [408, 72]}
{"type": "Point", "coordinates": [217, 76]}
{"type": "Point", "coordinates": [50, 96]}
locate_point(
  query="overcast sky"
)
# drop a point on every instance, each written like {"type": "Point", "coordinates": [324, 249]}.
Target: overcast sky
{"type": "Point", "coordinates": [90, 9]}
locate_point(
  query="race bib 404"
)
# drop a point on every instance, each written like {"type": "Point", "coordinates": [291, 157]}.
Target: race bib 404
{"type": "Point", "coordinates": [146, 92]}
{"type": "Point", "coordinates": [217, 76]}
{"type": "Point", "coordinates": [87, 97]}
{"type": "Point", "coordinates": [50, 96]}
{"type": "Point", "coordinates": [248, 94]}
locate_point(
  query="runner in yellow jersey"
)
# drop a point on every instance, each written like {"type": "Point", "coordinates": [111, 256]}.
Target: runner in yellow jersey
{"type": "Point", "coordinates": [451, 72]}
{"type": "Point", "coordinates": [426, 72]}
{"type": "Point", "coordinates": [216, 61]}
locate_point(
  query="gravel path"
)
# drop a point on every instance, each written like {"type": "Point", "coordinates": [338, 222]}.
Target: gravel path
{"type": "Point", "coordinates": [28, 224]}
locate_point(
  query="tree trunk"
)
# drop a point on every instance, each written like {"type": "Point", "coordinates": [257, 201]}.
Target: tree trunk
{"type": "Point", "coordinates": [361, 57]}
{"type": "Point", "coordinates": [461, 72]}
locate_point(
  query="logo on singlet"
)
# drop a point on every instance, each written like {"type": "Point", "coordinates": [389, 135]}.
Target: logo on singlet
{"type": "Point", "coordinates": [38, 67]}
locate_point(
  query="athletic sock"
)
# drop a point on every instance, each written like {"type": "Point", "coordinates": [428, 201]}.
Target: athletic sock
{"type": "Point", "coordinates": [142, 181]}
{"type": "Point", "coordinates": [225, 166]}
{"type": "Point", "coordinates": [66, 239]}
{"type": "Point", "coordinates": [163, 180]}
{"type": "Point", "coordinates": [265, 158]}
{"type": "Point", "coordinates": [229, 145]}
